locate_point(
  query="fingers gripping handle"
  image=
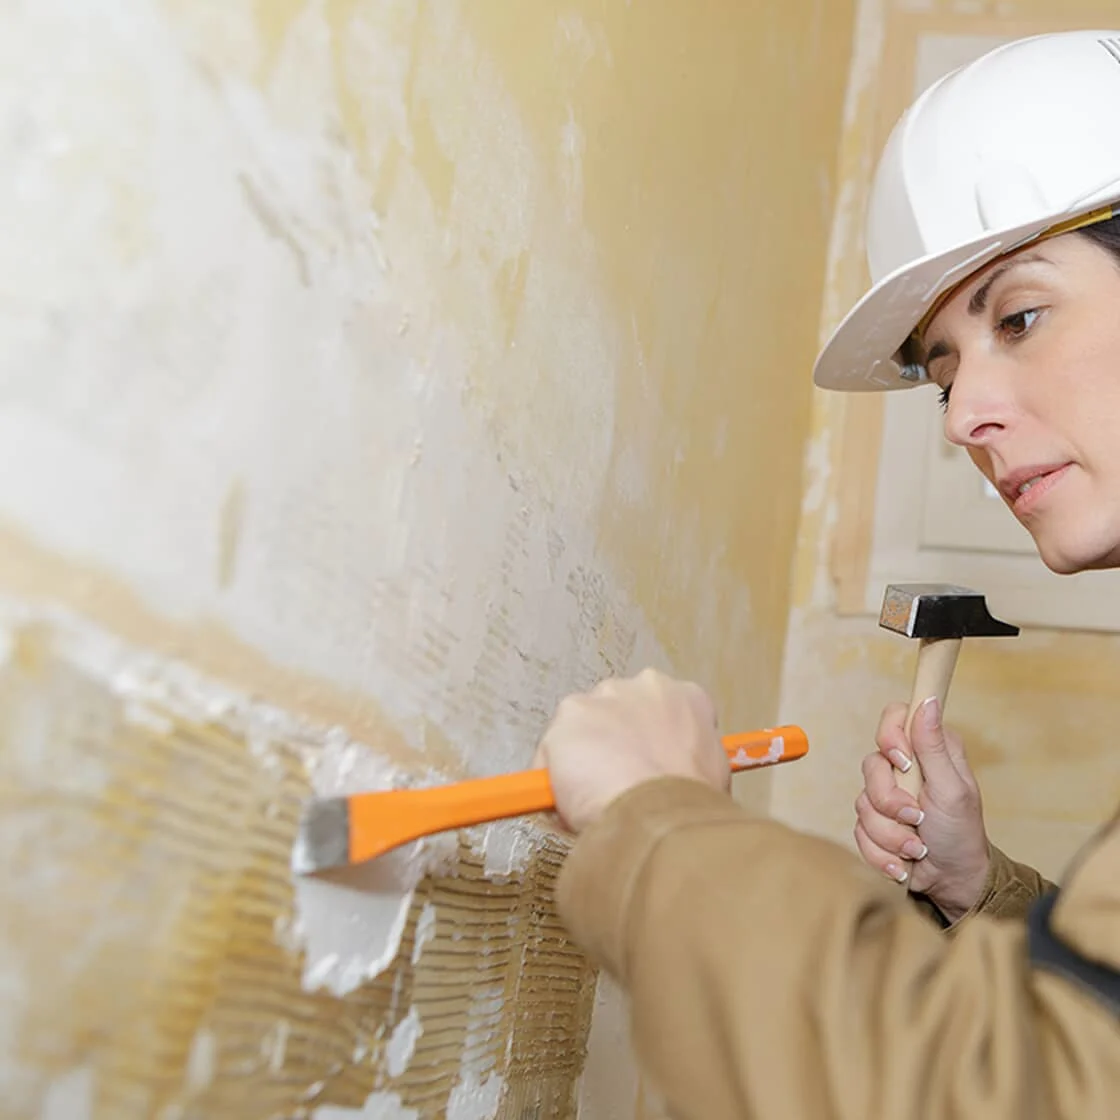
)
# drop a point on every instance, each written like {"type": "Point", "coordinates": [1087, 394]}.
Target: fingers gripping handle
{"type": "Point", "coordinates": [937, 658]}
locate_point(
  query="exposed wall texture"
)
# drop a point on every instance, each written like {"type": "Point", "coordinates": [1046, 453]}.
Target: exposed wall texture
{"type": "Point", "coordinates": [371, 375]}
{"type": "Point", "coordinates": [1037, 714]}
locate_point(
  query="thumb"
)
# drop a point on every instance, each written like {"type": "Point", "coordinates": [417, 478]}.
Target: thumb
{"type": "Point", "coordinates": [955, 747]}
{"type": "Point", "coordinates": [927, 737]}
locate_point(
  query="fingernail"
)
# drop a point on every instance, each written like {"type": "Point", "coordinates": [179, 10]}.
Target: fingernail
{"type": "Point", "coordinates": [900, 760]}
{"type": "Point", "coordinates": [896, 873]}
{"type": "Point", "coordinates": [931, 712]}
{"type": "Point", "coordinates": [915, 849]}
{"type": "Point", "coordinates": [910, 815]}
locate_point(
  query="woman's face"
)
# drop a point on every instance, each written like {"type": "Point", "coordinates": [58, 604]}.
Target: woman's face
{"type": "Point", "coordinates": [1028, 353]}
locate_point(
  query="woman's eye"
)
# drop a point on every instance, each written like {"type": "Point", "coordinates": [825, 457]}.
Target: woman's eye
{"type": "Point", "coordinates": [943, 397]}
{"type": "Point", "coordinates": [1017, 325]}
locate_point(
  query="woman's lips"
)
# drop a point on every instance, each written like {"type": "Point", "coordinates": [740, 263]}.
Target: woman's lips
{"type": "Point", "coordinates": [1040, 485]}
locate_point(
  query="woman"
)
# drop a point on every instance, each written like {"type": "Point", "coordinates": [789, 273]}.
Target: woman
{"type": "Point", "coordinates": [1025, 351]}
{"type": "Point", "coordinates": [772, 974]}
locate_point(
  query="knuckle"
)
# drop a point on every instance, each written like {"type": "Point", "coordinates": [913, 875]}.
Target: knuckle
{"type": "Point", "coordinates": [935, 741]}
{"type": "Point", "coordinates": [884, 833]}
{"type": "Point", "coordinates": [892, 720]}
{"type": "Point", "coordinates": [701, 701]}
{"type": "Point", "coordinates": [878, 780]}
{"type": "Point", "coordinates": [961, 801]}
{"type": "Point", "coordinates": [881, 803]}
{"type": "Point", "coordinates": [570, 706]}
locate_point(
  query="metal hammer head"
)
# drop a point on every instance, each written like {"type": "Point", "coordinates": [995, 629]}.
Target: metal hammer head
{"type": "Point", "coordinates": [940, 610]}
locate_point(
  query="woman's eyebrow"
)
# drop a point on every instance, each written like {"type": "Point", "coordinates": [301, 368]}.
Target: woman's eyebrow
{"type": "Point", "coordinates": [979, 301]}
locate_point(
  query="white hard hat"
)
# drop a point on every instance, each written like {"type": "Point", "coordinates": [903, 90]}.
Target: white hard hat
{"type": "Point", "coordinates": [1020, 144]}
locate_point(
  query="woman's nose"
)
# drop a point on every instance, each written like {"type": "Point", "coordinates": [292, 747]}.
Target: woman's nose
{"type": "Point", "coordinates": [980, 402]}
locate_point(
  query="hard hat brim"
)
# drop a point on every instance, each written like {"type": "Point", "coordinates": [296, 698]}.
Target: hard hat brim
{"type": "Point", "coordinates": [861, 355]}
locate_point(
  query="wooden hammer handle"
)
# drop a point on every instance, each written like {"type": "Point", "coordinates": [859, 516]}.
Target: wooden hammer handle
{"type": "Point", "coordinates": [937, 658]}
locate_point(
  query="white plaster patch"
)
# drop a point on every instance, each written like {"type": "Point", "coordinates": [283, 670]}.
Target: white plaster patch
{"type": "Point", "coordinates": [352, 931]}
{"type": "Point", "coordinates": [817, 473]}
{"type": "Point", "coordinates": [483, 1017]}
{"type": "Point", "coordinates": [507, 847]}
{"type": "Point", "coordinates": [69, 1097]}
{"type": "Point", "coordinates": [202, 1061]}
{"type": "Point", "coordinates": [867, 59]}
{"type": "Point", "coordinates": [572, 146]}
{"type": "Point", "coordinates": [345, 766]}
{"type": "Point", "coordinates": [378, 1106]}
{"type": "Point", "coordinates": [474, 1099]}
{"type": "Point", "coordinates": [425, 932]}
{"type": "Point", "coordinates": [352, 926]}
{"type": "Point", "coordinates": [274, 1046]}
{"type": "Point", "coordinates": [145, 716]}
{"type": "Point", "coordinates": [402, 1043]}
{"type": "Point", "coordinates": [582, 42]}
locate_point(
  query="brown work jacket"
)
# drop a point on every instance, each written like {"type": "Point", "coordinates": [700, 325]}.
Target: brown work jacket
{"type": "Point", "coordinates": [773, 975]}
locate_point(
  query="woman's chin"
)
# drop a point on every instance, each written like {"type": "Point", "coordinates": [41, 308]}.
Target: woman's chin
{"type": "Point", "coordinates": [1073, 553]}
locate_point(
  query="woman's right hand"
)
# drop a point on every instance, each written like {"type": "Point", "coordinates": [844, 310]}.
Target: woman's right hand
{"type": "Point", "coordinates": [939, 842]}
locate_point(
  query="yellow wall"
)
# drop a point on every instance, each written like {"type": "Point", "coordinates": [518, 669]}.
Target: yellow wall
{"type": "Point", "coordinates": [371, 375]}
{"type": "Point", "coordinates": [1035, 714]}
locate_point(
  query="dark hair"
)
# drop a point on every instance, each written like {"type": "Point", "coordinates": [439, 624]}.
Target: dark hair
{"type": "Point", "coordinates": [1106, 235]}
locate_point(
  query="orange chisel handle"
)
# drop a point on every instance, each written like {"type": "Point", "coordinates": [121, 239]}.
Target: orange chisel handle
{"type": "Point", "coordinates": [386, 819]}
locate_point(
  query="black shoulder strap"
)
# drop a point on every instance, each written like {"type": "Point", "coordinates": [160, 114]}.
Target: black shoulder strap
{"type": "Point", "coordinates": [1046, 951]}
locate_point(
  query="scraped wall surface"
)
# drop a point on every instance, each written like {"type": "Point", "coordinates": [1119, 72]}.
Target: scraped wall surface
{"type": "Point", "coordinates": [1036, 714]}
{"type": "Point", "coordinates": [371, 375]}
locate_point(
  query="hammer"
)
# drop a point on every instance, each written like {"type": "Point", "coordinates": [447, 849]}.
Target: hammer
{"type": "Point", "coordinates": [939, 615]}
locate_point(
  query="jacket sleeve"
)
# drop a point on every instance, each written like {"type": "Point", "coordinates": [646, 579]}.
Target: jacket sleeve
{"type": "Point", "coordinates": [1009, 891]}
{"type": "Point", "coordinates": [773, 975]}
